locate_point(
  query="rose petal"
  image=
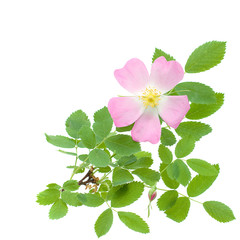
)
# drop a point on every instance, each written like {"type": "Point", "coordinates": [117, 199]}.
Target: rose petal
{"type": "Point", "coordinates": [147, 128]}
{"type": "Point", "coordinates": [125, 110]}
{"type": "Point", "coordinates": [172, 109]}
{"type": "Point", "coordinates": [133, 76]}
{"type": "Point", "coordinates": [165, 74]}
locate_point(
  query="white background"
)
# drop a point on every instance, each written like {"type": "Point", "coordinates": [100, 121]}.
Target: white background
{"type": "Point", "coordinates": [59, 56]}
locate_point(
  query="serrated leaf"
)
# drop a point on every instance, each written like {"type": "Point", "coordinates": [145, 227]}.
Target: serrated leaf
{"type": "Point", "coordinates": [196, 92]}
{"type": "Point", "coordinates": [99, 158]}
{"type": "Point", "coordinates": [167, 200]}
{"type": "Point", "coordinates": [165, 154]}
{"type": "Point", "coordinates": [196, 130]}
{"type": "Point", "coordinates": [159, 53]}
{"type": "Point", "coordinates": [179, 171]}
{"type": "Point", "coordinates": [103, 122]}
{"type": "Point", "coordinates": [87, 136]}
{"type": "Point", "coordinates": [202, 167]}
{"type": "Point", "coordinates": [53, 186]}
{"type": "Point", "coordinates": [104, 222]}
{"type": "Point", "coordinates": [122, 145]}
{"type": "Point", "coordinates": [127, 194]}
{"type": "Point", "coordinates": [121, 176]}
{"type": "Point", "coordinates": [48, 196]}
{"type": "Point", "coordinates": [167, 137]}
{"type": "Point", "coordinates": [104, 169]}
{"type": "Point", "coordinates": [144, 162]}
{"type": "Point", "coordinates": [180, 209]}
{"type": "Point", "coordinates": [219, 211]}
{"type": "Point", "coordinates": [206, 56]}
{"type": "Point", "coordinates": [149, 176]}
{"type": "Point", "coordinates": [184, 147]}
{"type": "Point", "coordinates": [75, 122]}
{"type": "Point", "coordinates": [71, 185]}
{"type": "Point", "coordinates": [60, 141]}
{"type": "Point", "coordinates": [58, 210]}
{"type": "Point", "coordinates": [71, 198]}
{"type": "Point", "coordinates": [166, 179]}
{"type": "Point", "coordinates": [142, 154]}
{"type": "Point", "coordinates": [199, 184]}
{"type": "Point", "coordinates": [124, 129]}
{"type": "Point", "coordinates": [134, 222]}
{"type": "Point", "coordinates": [126, 160]}
{"type": "Point", "coordinates": [90, 200]}
{"type": "Point", "coordinates": [199, 111]}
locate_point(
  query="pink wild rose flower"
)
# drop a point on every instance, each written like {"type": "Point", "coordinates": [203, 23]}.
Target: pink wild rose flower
{"type": "Point", "coordinates": [150, 98]}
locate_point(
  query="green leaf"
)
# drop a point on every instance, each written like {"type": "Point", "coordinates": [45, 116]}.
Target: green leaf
{"type": "Point", "coordinates": [199, 111]}
{"type": "Point", "coordinates": [90, 200]}
{"type": "Point", "coordinates": [125, 129]}
{"type": "Point", "coordinates": [53, 186]}
{"type": "Point", "coordinates": [180, 209]}
{"type": "Point", "coordinates": [202, 167]}
{"type": "Point", "coordinates": [166, 179]}
{"type": "Point", "coordinates": [103, 122]}
{"type": "Point", "coordinates": [104, 169]}
{"type": "Point", "coordinates": [165, 154]}
{"type": "Point", "coordinates": [99, 158]}
{"type": "Point", "coordinates": [104, 223]}
{"type": "Point", "coordinates": [196, 92]}
{"type": "Point", "coordinates": [149, 176]}
{"type": "Point", "coordinates": [134, 222]}
{"type": "Point", "coordinates": [200, 184]}
{"type": "Point", "coordinates": [58, 210]}
{"type": "Point", "coordinates": [158, 53]}
{"type": "Point", "coordinates": [196, 130]}
{"type": "Point", "coordinates": [205, 57]}
{"type": "Point", "coordinates": [68, 153]}
{"type": "Point", "coordinates": [179, 171]}
{"type": "Point", "coordinates": [87, 136]}
{"type": "Point", "coordinates": [127, 194]}
{"type": "Point", "coordinates": [121, 176]}
{"type": "Point", "coordinates": [142, 154]}
{"type": "Point", "coordinates": [167, 200]}
{"type": "Point", "coordinates": [219, 211]}
{"type": "Point", "coordinates": [75, 122]}
{"type": "Point", "coordinates": [48, 196]}
{"type": "Point", "coordinates": [71, 185]}
{"type": "Point", "coordinates": [144, 162]}
{"type": "Point", "coordinates": [184, 147]}
{"type": "Point", "coordinates": [126, 160]}
{"type": "Point", "coordinates": [60, 141]}
{"type": "Point", "coordinates": [167, 137]}
{"type": "Point", "coordinates": [122, 145]}
{"type": "Point", "coordinates": [71, 198]}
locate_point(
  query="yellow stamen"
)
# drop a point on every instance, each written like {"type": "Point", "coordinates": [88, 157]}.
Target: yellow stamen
{"type": "Point", "coordinates": [150, 97]}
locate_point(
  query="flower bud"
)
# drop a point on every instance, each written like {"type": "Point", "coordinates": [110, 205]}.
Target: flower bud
{"type": "Point", "coordinates": [152, 194]}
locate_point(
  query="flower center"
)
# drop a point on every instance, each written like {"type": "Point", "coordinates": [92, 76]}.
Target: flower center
{"type": "Point", "coordinates": [150, 97]}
